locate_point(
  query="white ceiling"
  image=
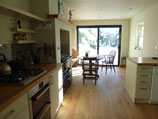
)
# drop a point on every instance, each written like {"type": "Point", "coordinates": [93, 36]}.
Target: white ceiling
{"type": "Point", "coordinates": [106, 9]}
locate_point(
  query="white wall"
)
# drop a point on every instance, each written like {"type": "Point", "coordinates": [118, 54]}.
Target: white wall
{"type": "Point", "coordinates": [150, 18]}
{"type": "Point", "coordinates": [124, 36]}
{"type": "Point", "coordinates": [40, 8]}
{"type": "Point", "coordinates": [6, 23]}
{"type": "Point", "coordinates": [53, 6]}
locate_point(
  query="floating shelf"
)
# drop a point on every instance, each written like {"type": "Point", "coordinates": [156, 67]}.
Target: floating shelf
{"type": "Point", "coordinates": [23, 30]}
{"type": "Point", "coordinates": [12, 11]}
{"type": "Point", "coordinates": [23, 41]}
{"type": "Point", "coordinates": [50, 16]}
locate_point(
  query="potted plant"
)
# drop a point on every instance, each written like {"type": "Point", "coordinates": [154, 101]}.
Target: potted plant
{"type": "Point", "coordinates": [86, 53]}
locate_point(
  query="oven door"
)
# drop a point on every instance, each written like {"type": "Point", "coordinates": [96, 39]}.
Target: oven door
{"type": "Point", "coordinates": [41, 104]}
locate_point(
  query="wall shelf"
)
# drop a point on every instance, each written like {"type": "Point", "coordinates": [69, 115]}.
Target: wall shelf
{"type": "Point", "coordinates": [52, 16]}
{"type": "Point", "coordinates": [23, 41]}
{"type": "Point", "coordinates": [12, 11]}
{"type": "Point", "coordinates": [23, 30]}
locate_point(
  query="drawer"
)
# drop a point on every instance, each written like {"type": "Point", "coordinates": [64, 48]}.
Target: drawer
{"type": "Point", "coordinates": [143, 81]}
{"type": "Point", "coordinates": [12, 110]}
{"type": "Point", "coordinates": [146, 75]}
{"type": "Point", "coordinates": [143, 92]}
{"type": "Point", "coordinates": [145, 68]}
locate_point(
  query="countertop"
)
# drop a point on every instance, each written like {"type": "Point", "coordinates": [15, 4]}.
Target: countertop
{"type": "Point", "coordinates": [9, 93]}
{"type": "Point", "coordinates": [144, 60]}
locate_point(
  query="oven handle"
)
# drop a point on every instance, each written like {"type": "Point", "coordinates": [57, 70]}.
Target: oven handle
{"type": "Point", "coordinates": [39, 96]}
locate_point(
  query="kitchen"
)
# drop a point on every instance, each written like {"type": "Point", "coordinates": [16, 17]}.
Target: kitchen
{"type": "Point", "coordinates": [43, 43]}
{"type": "Point", "coordinates": [31, 49]}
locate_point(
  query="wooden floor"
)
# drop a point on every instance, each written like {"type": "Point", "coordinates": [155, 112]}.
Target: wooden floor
{"type": "Point", "coordinates": [106, 100]}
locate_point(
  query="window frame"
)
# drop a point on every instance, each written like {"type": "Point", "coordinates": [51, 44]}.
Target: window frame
{"type": "Point", "coordinates": [140, 36]}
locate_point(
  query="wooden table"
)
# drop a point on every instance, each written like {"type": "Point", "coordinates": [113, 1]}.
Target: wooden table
{"type": "Point", "coordinates": [99, 57]}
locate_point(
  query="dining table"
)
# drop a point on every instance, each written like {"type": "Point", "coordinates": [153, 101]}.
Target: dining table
{"type": "Point", "coordinates": [99, 57]}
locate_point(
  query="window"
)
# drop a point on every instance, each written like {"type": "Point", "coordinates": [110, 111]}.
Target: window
{"type": "Point", "coordinates": [140, 36]}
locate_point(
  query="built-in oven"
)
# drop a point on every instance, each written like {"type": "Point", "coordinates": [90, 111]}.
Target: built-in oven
{"type": "Point", "coordinates": [67, 71]}
{"type": "Point", "coordinates": [39, 100]}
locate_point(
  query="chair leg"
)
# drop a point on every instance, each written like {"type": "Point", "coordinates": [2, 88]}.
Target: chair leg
{"type": "Point", "coordinates": [83, 81]}
{"type": "Point", "coordinates": [111, 67]}
{"type": "Point", "coordinates": [106, 68]}
{"type": "Point", "coordinates": [114, 68]}
{"type": "Point", "coordinates": [95, 81]}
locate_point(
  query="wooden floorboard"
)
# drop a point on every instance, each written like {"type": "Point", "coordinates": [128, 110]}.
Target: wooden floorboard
{"type": "Point", "coordinates": [107, 99]}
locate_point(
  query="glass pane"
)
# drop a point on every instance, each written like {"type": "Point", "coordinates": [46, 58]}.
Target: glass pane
{"type": "Point", "coordinates": [108, 41]}
{"type": "Point", "coordinates": [141, 42]}
{"type": "Point", "coordinates": [87, 41]}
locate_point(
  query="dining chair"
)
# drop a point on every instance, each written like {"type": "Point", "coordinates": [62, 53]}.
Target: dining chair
{"type": "Point", "coordinates": [90, 69]}
{"type": "Point", "coordinates": [109, 60]}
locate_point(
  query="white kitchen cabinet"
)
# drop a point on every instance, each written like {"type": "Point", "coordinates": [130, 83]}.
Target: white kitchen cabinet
{"type": "Point", "coordinates": [24, 114]}
{"type": "Point", "coordinates": [16, 109]}
{"type": "Point", "coordinates": [56, 91]}
{"type": "Point", "coordinates": [138, 82]}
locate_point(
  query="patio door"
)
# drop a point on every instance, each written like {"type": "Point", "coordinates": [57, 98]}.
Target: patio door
{"type": "Point", "coordinates": [99, 40]}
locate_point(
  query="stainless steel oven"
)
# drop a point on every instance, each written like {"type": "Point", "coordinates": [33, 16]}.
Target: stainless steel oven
{"type": "Point", "coordinates": [39, 100]}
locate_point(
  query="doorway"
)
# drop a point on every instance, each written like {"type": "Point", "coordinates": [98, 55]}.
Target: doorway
{"type": "Point", "coordinates": [99, 40]}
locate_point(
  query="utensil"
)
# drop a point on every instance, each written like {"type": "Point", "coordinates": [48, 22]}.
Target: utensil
{"type": "Point", "coordinates": [5, 69]}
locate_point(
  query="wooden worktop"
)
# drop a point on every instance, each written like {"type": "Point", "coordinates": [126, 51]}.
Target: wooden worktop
{"type": "Point", "coordinates": [144, 60]}
{"type": "Point", "coordinates": [9, 93]}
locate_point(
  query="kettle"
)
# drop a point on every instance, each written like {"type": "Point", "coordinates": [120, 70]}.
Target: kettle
{"type": "Point", "coordinates": [5, 69]}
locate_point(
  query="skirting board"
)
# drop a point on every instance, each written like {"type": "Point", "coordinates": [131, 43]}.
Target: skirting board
{"type": "Point", "coordinates": [153, 102]}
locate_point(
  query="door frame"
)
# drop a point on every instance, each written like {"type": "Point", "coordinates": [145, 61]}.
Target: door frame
{"type": "Point", "coordinates": [102, 26]}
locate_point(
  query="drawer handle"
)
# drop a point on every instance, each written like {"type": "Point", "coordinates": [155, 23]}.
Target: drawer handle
{"type": "Point", "coordinates": [144, 75]}
{"type": "Point", "coordinates": [143, 88]}
{"type": "Point", "coordinates": [8, 116]}
{"type": "Point", "coordinates": [144, 68]}
{"type": "Point", "coordinates": [143, 82]}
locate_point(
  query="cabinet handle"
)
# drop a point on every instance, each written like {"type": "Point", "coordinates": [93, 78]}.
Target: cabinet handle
{"type": "Point", "coordinates": [143, 82]}
{"type": "Point", "coordinates": [8, 116]}
{"type": "Point", "coordinates": [144, 75]}
{"type": "Point", "coordinates": [143, 88]}
{"type": "Point", "coordinates": [144, 68]}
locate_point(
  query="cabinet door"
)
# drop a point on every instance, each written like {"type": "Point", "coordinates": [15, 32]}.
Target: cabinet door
{"type": "Point", "coordinates": [143, 92]}
{"type": "Point", "coordinates": [24, 114]}
{"type": "Point", "coordinates": [56, 91]}
{"type": "Point", "coordinates": [15, 108]}
{"type": "Point", "coordinates": [53, 94]}
{"type": "Point", "coordinates": [60, 85]}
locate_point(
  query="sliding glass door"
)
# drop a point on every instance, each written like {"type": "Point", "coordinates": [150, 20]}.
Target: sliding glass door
{"type": "Point", "coordinates": [108, 41]}
{"type": "Point", "coordinates": [87, 41]}
{"type": "Point", "coordinates": [99, 40]}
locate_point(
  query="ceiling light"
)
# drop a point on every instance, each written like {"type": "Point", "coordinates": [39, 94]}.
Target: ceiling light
{"type": "Point", "coordinates": [101, 9]}
{"type": "Point", "coordinates": [130, 8]}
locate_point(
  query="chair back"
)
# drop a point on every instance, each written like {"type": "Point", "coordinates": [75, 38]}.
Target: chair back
{"type": "Point", "coordinates": [90, 68]}
{"type": "Point", "coordinates": [112, 54]}
{"type": "Point", "coordinates": [90, 63]}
